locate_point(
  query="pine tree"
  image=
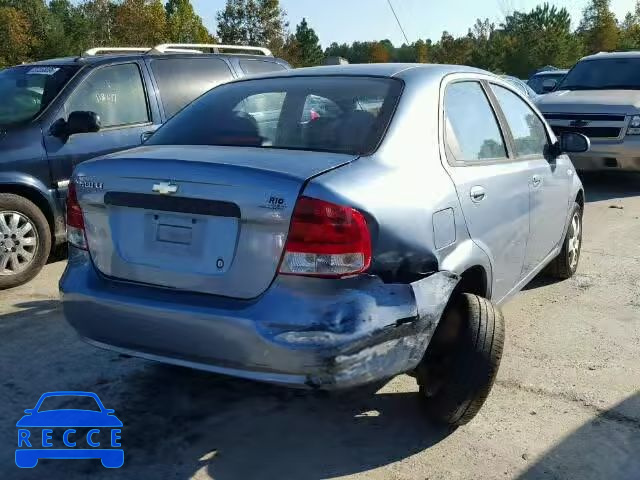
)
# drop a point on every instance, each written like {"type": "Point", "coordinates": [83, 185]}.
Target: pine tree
{"type": "Point", "coordinates": [529, 40]}
{"type": "Point", "coordinates": [599, 27]}
{"type": "Point", "coordinates": [630, 30]}
{"type": "Point", "coordinates": [309, 50]}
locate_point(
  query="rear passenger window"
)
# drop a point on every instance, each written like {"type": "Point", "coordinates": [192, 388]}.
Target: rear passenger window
{"type": "Point", "coordinates": [115, 93]}
{"type": "Point", "coordinates": [265, 110]}
{"type": "Point", "coordinates": [182, 80]}
{"type": "Point", "coordinates": [251, 67]}
{"type": "Point", "coordinates": [529, 134]}
{"type": "Point", "coordinates": [471, 129]}
{"type": "Point", "coordinates": [316, 107]}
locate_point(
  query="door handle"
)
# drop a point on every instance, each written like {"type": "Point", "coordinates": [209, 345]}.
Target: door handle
{"type": "Point", "coordinates": [477, 194]}
{"type": "Point", "coordinates": [536, 181]}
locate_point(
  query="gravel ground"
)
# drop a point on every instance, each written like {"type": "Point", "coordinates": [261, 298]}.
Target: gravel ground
{"type": "Point", "coordinates": [566, 403]}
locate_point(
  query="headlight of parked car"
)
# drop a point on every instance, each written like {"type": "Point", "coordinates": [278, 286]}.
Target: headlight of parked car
{"type": "Point", "coordinates": [634, 126]}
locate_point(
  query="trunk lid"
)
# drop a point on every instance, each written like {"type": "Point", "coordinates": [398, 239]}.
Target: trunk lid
{"type": "Point", "coordinates": [205, 219]}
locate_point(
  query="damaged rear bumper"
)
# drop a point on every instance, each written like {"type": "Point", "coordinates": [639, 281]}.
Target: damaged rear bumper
{"type": "Point", "coordinates": [302, 332]}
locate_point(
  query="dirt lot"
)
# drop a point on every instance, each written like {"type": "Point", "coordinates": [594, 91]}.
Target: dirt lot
{"type": "Point", "coordinates": [566, 403]}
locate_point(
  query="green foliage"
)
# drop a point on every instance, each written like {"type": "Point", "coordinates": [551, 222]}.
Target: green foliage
{"type": "Point", "coordinates": [17, 41]}
{"type": "Point", "coordinates": [599, 27]}
{"type": "Point", "coordinates": [98, 22]}
{"type": "Point", "coordinates": [523, 42]}
{"type": "Point", "coordinates": [542, 36]}
{"type": "Point", "coordinates": [253, 22]}
{"type": "Point", "coordinates": [183, 25]}
{"type": "Point", "coordinates": [454, 51]}
{"type": "Point", "coordinates": [629, 38]}
{"type": "Point", "coordinates": [304, 48]}
{"type": "Point", "coordinates": [141, 23]}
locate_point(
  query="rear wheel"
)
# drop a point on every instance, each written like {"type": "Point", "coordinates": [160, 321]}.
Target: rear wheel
{"type": "Point", "coordinates": [25, 240]}
{"type": "Point", "coordinates": [565, 265]}
{"type": "Point", "coordinates": [461, 363]}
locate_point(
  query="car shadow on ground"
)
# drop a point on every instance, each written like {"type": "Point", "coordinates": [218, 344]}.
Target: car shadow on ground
{"type": "Point", "coordinates": [178, 422]}
{"type": "Point", "coordinates": [610, 185]}
{"type": "Point", "coordinates": [237, 429]}
{"type": "Point", "coordinates": [540, 281]}
{"type": "Point", "coordinates": [25, 311]}
{"type": "Point", "coordinates": [607, 447]}
{"type": "Point", "coordinates": [58, 254]}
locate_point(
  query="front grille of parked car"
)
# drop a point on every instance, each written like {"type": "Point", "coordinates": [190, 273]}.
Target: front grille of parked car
{"type": "Point", "coordinates": [591, 132]}
{"type": "Point", "coordinates": [579, 116]}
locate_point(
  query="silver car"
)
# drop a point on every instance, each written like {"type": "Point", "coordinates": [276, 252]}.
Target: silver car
{"type": "Point", "coordinates": [376, 237]}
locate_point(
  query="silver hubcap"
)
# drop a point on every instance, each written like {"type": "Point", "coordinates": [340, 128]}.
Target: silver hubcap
{"type": "Point", "coordinates": [575, 237]}
{"type": "Point", "coordinates": [18, 242]}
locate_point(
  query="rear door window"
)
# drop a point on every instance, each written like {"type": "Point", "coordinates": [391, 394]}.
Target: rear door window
{"type": "Point", "coordinates": [253, 67]}
{"type": "Point", "coordinates": [472, 133]}
{"type": "Point", "coordinates": [115, 93]}
{"type": "Point", "coordinates": [182, 80]}
{"type": "Point", "coordinates": [529, 133]}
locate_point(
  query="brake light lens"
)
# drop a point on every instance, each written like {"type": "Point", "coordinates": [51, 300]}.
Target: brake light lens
{"type": "Point", "coordinates": [75, 220]}
{"type": "Point", "coordinates": [326, 240]}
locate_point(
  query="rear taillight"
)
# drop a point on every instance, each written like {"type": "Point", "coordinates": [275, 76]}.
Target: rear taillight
{"type": "Point", "coordinates": [75, 220]}
{"type": "Point", "coordinates": [326, 240]}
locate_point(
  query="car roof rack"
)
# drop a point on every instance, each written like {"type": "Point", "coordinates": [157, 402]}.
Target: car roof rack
{"type": "Point", "coordinates": [92, 52]}
{"type": "Point", "coordinates": [214, 47]}
{"type": "Point", "coordinates": [180, 48]}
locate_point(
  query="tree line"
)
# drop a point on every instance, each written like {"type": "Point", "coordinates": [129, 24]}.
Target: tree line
{"type": "Point", "coordinates": [522, 43]}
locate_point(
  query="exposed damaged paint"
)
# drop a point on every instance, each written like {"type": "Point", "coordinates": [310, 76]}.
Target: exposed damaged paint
{"type": "Point", "coordinates": [301, 333]}
{"type": "Point", "coordinates": [380, 346]}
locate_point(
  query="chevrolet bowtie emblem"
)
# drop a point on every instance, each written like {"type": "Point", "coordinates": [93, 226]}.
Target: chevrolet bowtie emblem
{"type": "Point", "coordinates": [165, 188]}
{"type": "Point", "coordinates": [579, 123]}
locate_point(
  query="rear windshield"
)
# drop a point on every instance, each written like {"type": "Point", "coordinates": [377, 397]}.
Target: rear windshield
{"type": "Point", "coordinates": [604, 74]}
{"type": "Point", "coordinates": [27, 90]}
{"type": "Point", "coordinates": [324, 113]}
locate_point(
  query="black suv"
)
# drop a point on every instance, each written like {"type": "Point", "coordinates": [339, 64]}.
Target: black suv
{"type": "Point", "coordinates": [57, 113]}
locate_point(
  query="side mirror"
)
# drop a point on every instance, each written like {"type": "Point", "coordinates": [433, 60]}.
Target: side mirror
{"type": "Point", "coordinates": [29, 411]}
{"type": "Point", "coordinates": [549, 85]}
{"type": "Point", "coordinates": [570, 142]}
{"type": "Point", "coordinates": [78, 122]}
{"type": "Point", "coordinates": [146, 136]}
{"type": "Point", "coordinates": [83, 122]}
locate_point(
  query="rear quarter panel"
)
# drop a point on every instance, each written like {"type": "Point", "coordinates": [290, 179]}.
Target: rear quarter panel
{"type": "Point", "coordinates": [400, 188]}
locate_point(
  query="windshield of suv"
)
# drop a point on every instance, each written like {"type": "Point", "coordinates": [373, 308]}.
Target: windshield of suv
{"type": "Point", "coordinates": [324, 113]}
{"type": "Point", "coordinates": [27, 90]}
{"type": "Point", "coordinates": [604, 74]}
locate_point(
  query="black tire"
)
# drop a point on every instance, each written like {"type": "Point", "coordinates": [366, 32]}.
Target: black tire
{"type": "Point", "coordinates": [462, 360]}
{"type": "Point", "coordinates": [15, 203]}
{"type": "Point", "coordinates": [563, 267]}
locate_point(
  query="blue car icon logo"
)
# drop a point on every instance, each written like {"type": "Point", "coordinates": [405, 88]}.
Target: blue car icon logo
{"type": "Point", "coordinates": [42, 432]}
